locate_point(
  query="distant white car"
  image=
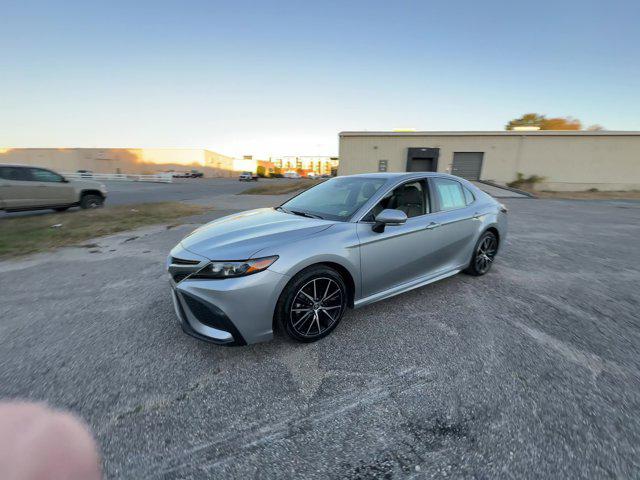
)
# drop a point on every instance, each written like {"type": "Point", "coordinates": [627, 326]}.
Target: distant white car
{"type": "Point", "coordinates": [248, 177]}
{"type": "Point", "coordinates": [295, 175]}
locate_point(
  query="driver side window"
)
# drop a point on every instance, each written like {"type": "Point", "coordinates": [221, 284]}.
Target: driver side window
{"type": "Point", "coordinates": [411, 198]}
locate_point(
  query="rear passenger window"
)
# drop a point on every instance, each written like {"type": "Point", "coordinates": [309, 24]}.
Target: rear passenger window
{"type": "Point", "coordinates": [468, 196]}
{"type": "Point", "coordinates": [449, 193]}
{"type": "Point", "coordinates": [15, 173]}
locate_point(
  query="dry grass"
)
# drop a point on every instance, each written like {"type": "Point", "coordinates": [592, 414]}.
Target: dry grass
{"type": "Point", "coordinates": [627, 195]}
{"type": "Point", "coordinates": [280, 188]}
{"type": "Point", "coordinates": [23, 235]}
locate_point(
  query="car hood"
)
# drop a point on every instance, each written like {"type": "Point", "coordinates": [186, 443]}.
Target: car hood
{"type": "Point", "coordinates": [241, 236]}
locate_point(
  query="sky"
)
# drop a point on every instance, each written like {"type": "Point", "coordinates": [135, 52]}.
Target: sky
{"type": "Point", "coordinates": [275, 78]}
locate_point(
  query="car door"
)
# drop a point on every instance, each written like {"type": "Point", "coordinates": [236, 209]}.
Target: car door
{"type": "Point", "coordinates": [51, 188]}
{"type": "Point", "coordinates": [16, 188]}
{"type": "Point", "coordinates": [400, 253]}
{"type": "Point", "coordinates": [456, 223]}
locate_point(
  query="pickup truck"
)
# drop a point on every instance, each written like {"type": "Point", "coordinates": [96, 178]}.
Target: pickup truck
{"type": "Point", "coordinates": [23, 187]}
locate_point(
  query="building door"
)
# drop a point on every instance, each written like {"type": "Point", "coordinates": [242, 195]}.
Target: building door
{"type": "Point", "coordinates": [467, 165]}
{"type": "Point", "coordinates": [421, 165]}
{"type": "Point", "coordinates": [422, 159]}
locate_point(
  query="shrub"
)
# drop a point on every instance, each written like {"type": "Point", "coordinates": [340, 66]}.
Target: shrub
{"type": "Point", "coordinates": [526, 182]}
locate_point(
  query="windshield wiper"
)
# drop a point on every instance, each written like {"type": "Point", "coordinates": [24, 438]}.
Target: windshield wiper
{"type": "Point", "coordinates": [306, 214]}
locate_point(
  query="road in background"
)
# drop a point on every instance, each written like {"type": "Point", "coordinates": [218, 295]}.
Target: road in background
{"type": "Point", "coordinates": [531, 371]}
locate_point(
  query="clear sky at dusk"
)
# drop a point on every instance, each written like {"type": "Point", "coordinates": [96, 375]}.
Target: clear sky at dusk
{"type": "Point", "coordinates": [269, 78]}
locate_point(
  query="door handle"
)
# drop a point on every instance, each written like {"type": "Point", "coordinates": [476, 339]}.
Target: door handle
{"type": "Point", "coordinates": [477, 215]}
{"type": "Point", "coordinates": [432, 225]}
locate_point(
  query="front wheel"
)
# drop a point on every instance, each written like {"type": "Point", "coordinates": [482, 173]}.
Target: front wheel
{"type": "Point", "coordinates": [312, 304]}
{"type": "Point", "coordinates": [483, 255]}
{"type": "Point", "coordinates": [91, 201]}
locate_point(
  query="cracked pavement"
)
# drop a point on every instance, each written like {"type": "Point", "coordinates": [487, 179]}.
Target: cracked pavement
{"type": "Point", "coordinates": [532, 371]}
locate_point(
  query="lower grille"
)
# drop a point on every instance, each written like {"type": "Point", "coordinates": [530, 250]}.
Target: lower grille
{"type": "Point", "coordinates": [210, 315]}
{"type": "Point", "coordinates": [177, 277]}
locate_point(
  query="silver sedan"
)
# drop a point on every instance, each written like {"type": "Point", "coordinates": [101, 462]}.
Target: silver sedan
{"type": "Point", "coordinates": [344, 243]}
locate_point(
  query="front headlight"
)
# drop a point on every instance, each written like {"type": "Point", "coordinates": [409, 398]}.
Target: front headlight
{"type": "Point", "coordinates": [234, 269]}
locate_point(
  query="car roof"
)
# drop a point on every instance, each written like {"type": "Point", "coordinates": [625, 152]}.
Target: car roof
{"type": "Point", "coordinates": [399, 175]}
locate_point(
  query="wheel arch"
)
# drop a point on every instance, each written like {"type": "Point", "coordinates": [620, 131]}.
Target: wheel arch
{"type": "Point", "coordinates": [90, 191]}
{"type": "Point", "coordinates": [342, 270]}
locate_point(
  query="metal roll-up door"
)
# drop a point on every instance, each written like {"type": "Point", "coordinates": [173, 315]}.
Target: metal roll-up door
{"type": "Point", "coordinates": [467, 165]}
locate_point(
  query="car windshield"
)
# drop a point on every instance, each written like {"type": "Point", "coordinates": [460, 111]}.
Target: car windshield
{"type": "Point", "coordinates": [335, 199]}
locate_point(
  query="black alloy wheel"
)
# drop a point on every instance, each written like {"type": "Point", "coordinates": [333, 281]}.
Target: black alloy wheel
{"type": "Point", "coordinates": [484, 254]}
{"type": "Point", "coordinates": [313, 304]}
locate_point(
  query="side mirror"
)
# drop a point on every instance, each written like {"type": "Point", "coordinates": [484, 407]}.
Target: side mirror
{"type": "Point", "coordinates": [388, 217]}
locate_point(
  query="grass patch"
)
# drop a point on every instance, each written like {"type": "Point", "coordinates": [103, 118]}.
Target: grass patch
{"type": "Point", "coordinates": [281, 188]}
{"type": "Point", "coordinates": [23, 235]}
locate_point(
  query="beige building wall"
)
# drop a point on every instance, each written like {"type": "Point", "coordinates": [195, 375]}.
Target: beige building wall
{"type": "Point", "coordinates": [568, 160]}
{"type": "Point", "coordinates": [121, 160]}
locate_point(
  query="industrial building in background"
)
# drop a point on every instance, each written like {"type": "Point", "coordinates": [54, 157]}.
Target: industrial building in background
{"type": "Point", "coordinates": [559, 160]}
{"type": "Point", "coordinates": [156, 160]}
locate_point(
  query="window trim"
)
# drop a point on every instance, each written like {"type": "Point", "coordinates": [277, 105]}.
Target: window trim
{"type": "Point", "coordinates": [439, 210]}
{"type": "Point", "coordinates": [427, 197]}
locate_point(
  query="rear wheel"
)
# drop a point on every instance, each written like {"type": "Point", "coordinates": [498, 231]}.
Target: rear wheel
{"type": "Point", "coordinates": [91, 201]}
{"type": "Point", "coordinates": [312, 304]}
{"type": "Point", "coordinates": [483, 255]}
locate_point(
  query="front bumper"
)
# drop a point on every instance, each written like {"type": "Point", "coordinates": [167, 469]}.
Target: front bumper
{"type": "Point", "coordinates": [230, 311]}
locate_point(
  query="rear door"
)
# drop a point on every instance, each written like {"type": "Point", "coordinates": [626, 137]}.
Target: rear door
{"type": "Point", "coordinates": [51, 188]}
{"type": "Point", "coordinates": [456, 223]}
{"type": "Point", "coordinates": [16, 187]}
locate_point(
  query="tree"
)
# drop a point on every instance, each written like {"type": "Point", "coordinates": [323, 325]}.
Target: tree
{"type": "Point", "coordinates": [526, 120]}
{"type": "Point", "coordinates": [544, 123]}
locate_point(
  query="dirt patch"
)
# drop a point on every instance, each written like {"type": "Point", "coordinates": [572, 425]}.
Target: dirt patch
{"type": "Point", "coordinates": [281, 188]}
{"type": "Point", "coordinates": [25, 235]}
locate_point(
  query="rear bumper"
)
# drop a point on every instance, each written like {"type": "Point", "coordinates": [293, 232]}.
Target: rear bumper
{"type": "Point", "coordinates": [232, 311]}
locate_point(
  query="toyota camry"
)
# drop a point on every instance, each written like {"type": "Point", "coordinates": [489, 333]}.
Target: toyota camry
{"type": "Point", "coordinates": [347, 242]}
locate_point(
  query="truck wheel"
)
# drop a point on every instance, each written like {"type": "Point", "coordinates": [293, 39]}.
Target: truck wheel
{"type": "Point", "coordinates": [91, 201]}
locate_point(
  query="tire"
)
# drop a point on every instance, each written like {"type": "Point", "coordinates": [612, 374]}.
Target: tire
{"type": "Point", "coordinates": [91, 201]}
{"type": "Point", "coordinates": [61, 209]}
{"type": "Point", "coordinates": [483, 254]}
{"type": "Point", "coordinates": [306, 321]}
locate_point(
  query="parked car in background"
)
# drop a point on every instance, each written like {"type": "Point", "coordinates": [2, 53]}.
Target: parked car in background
{"type": "Point", "coordinates": [295, 175]}
{"type": "Point", "coordinates": [248, 177]}
{"type": "Point", "coordinates": [196, 173]}
{"type": "Point", "coordinates": [32, 188]}
{"type": "Point", "coordinates": [85, 173]}
{"type": "Point", "coordinates": [347, 242]}
{"type": "Point", "coordinates": [312, 176]}
{"type": "Point", "coordinates": [325, 175]}
{"type": "Point", "coordinates": [181, 174]}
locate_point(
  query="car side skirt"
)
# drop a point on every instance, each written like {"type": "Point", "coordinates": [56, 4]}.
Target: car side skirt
{"type": "Point", "coordinates": [404, 287]}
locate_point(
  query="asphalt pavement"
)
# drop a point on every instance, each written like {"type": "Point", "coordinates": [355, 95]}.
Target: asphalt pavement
{"type": "Point", "coordinates": [531, 371]}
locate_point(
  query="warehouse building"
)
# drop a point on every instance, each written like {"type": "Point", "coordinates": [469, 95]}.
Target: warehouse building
{"type": "Point", "coordinates": [122, 160]}
{"type": "Point", "coordinates": [568, 160]}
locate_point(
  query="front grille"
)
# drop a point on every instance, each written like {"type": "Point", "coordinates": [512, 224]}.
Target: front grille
{"type": "Point", "coordinates": [181, 261]}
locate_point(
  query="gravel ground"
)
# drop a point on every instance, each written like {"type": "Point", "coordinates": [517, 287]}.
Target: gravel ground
{"type": "Point", "coordinates": [531, 371]}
